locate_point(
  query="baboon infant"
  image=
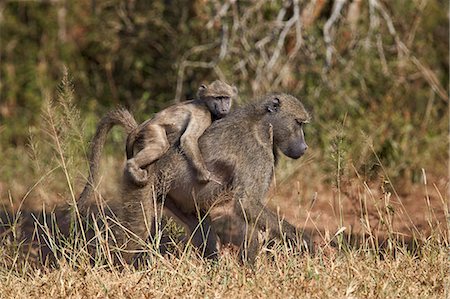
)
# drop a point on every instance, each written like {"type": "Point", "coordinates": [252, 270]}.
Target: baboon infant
{"type": "Point", "coordinates": [184, 123]}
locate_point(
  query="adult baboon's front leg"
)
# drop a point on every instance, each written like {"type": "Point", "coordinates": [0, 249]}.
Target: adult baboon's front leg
{"type": "Point", "coordinates": [276, 227]}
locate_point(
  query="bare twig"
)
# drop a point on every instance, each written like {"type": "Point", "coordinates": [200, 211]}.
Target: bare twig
{"type": "Point", "coordinates": [402, 49]}
{"type": "Point", "coordinates": [222, 12]}
{"type": "Point", "coordinates": [381, 54]}
{"type": "Point", "coordinates": [337, 8]}
{"type": "Point", "coordinates": [280, 43]}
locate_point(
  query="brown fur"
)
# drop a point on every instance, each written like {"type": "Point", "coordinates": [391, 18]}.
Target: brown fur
{"type": "Point", "coordinates": [183, 123]}
{"type": "Point", "coordinates": [241, 150]}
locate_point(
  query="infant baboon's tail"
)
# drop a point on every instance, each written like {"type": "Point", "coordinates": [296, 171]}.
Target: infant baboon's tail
{"type": "Point", "coordinates": [119, 116]}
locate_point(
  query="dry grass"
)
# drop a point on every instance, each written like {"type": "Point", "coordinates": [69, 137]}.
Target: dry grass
{"type": "Point", "coordinates": [372, 241]}
{"type": "Point", "coordinates": [388, 261]}
{"type": "Point", "coordinates": [354, 274]}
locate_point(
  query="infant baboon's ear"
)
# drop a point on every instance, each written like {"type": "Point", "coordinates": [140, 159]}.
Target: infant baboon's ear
{"type": "Point", "coordinates": [201, 90]}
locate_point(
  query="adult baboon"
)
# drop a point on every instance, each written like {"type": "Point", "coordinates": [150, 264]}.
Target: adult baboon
{"type": "Point", "coordinates": [183, 123]}
{"type": "Point", "coordinates": [241, 151]}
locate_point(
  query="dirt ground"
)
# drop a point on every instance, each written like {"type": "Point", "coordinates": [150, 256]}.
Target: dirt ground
{"type": "Point", "coordinates": [368, 208]}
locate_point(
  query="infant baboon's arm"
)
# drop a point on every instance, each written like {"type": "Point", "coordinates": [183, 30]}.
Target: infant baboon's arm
{"type": "Point", "coordinates": [189, 144]}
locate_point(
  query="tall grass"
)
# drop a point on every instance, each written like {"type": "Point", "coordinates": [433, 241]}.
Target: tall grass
{"type": "Point", "coordinates": [380, 261]}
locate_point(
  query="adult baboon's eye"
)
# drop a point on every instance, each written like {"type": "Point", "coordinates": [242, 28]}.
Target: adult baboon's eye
{"type": "Point", "coordinates": [302, 122]}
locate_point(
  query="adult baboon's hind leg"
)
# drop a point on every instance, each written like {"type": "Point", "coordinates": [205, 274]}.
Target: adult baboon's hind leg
{"type": "Point", "coordinates": [137, 217]}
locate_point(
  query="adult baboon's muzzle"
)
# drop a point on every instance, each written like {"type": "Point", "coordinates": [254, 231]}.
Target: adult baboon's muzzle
{"type": "Point", "coordinates": [297, 150]}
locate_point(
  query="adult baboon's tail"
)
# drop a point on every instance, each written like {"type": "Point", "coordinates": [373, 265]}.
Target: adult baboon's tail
{"type": "Point", "coordinates": [119, 116]}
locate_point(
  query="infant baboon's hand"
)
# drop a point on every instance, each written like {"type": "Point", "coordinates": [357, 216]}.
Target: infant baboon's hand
{"type": "Point", "coordinates": [204, 176]}
{"type": "Point", "coordinates": [136, 174]}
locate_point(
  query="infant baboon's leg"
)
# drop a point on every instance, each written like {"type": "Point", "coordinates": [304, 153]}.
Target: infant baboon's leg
{"type": "Point", "coordinates": [156, 144]}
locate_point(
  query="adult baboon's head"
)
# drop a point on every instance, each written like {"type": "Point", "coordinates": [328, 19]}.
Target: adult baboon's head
{"type": "Point", "coordinates": [287, 116]}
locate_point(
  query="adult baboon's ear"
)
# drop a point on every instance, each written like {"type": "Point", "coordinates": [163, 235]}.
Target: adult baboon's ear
{"type": "Point", "coordinates": [201, 90]}
{"type": "Point", "coordinates": [274, 105]}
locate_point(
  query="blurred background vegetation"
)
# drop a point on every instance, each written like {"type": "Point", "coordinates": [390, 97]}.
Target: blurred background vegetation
{"type": "Point", "coordinates": [373, 73]}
